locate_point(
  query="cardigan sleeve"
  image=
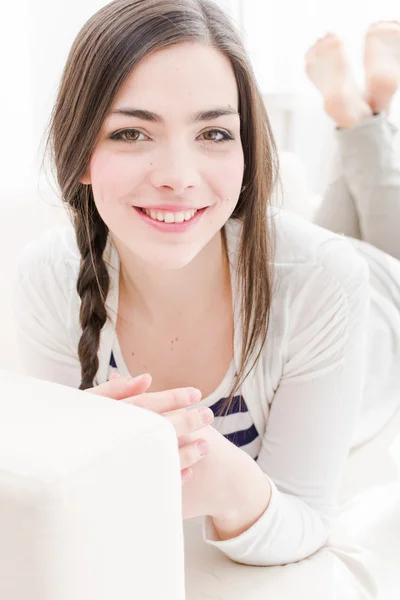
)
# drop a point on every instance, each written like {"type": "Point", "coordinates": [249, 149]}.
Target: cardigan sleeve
{"type": "Point", "coordinates": [41, 307]}
{"type": "Point", "coordinates": [313, 412]}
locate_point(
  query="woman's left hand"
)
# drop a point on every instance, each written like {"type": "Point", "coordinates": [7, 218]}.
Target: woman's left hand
{"type": "Point", "coordinates": [226, 485]}
{"type": "Point", "coordinates": [211, 490]}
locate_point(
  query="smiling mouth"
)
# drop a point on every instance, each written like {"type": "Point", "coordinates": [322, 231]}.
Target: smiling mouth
{"type": "Point", "coordinates": [164, 216]}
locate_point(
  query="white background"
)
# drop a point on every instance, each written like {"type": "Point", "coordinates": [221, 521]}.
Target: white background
{"type": "Point", "coordinates": [36, 35]}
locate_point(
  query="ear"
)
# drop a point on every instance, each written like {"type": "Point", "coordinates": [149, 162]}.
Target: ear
{"type": "Point", "coordinates": [86, 179]}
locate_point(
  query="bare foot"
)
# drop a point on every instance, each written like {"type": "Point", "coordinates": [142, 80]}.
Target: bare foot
{"type": "Point", "coordinates": [382, 64]}
{"type": "Point", "coordinates": [329, 70]}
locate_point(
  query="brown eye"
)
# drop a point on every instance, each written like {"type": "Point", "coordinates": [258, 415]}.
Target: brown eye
{"type": "Point", "coordinates": [128, 135]}
{"type": "Point", "coordinates": [131, 135]}
{"type": "Point", "coordinates": [210, 135]}
{"type": "Point", "coordinates": [216, 135]}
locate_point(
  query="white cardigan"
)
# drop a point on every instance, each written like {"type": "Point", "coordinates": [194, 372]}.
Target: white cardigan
{"type": "Point", "coordinates": [310, 396]}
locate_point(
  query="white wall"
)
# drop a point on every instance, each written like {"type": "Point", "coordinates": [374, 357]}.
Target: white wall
{"type": "Point", "coordinates": [34, 42]}
{"type": "Point", "coordinates": [16, 93]}
{"type": "Point", "coordinates": [278, 33]}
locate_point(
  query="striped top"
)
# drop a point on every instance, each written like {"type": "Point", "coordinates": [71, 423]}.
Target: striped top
{"type": "Point", "coordinates": [235, 424]}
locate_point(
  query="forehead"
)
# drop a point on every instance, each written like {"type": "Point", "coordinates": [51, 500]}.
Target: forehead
{"type": "Point", "coordinates": [181, 79]}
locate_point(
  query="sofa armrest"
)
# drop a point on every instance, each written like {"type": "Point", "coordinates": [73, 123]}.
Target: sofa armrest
{"type": "Point", "coordinates": [90, 497]}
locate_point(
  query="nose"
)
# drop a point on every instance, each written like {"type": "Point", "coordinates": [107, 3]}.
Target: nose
{"type": "Point", "coordinates": [175, 169]}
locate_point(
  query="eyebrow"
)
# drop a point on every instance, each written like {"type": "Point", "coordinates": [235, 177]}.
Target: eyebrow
{"type": "Point", "coordinates": [146, 115]}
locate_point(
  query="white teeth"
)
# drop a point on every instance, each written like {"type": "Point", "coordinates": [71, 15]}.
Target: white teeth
{"type": "Point", "coordinates": [179, 217]}
{"type": "Point", "coordinates": [169, 217]}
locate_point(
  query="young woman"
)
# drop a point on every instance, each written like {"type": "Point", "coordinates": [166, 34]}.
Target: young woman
{"type": "Point", "coordinates": [179, 274]}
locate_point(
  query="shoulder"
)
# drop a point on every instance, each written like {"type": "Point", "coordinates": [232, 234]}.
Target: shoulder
{"type": "Point", "coordinates": [321, 288]}
{"type": "Point", "coordinates": [54, 248]}
{"type": "Point", "coordinates": [48, 270]}
{"type": "Point", "coordinates": [50, 262]}
{"type": "Point", "coordinates": [316, 275]}
{"type": "Point", "coordinates": [300, 247]}
{"type": "Point", "coordinates": [305, 252]}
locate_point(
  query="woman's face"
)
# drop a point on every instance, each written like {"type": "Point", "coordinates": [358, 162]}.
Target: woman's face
{"type": "Point", "coordinates": [170, 146]}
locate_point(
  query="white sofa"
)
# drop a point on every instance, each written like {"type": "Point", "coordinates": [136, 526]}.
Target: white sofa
{"type": "Point", "coordinates": [82, 518]}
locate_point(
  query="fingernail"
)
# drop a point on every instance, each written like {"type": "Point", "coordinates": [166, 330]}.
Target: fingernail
{"type": "Point", "coordinates": [194, 395]}
{"type": "Point", "coordinates": [207, 415]}
{"type": "Point", "coordinates": [203, 447]}
{"type": "Point", "coordinates": [135, 379]}
{"type": "Point", "coordinates": [187, 475]}
{"type": "Point", "coordinates": [115, 375]}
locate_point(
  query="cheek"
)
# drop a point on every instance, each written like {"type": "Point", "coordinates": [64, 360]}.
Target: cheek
{"type": "Point", "coordinates": [112, 176]}
{"type": "Point", "coordinates": [228, 177]}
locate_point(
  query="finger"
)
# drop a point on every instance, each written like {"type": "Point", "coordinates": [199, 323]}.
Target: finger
{"type": "Point", "coordinates": [166, 401]}
{"type": "Point", "coordinates": [120, 388]}
{"type": "Point", "coordinates": [193, 453]}
{"type": "Point", "coordinates": [188, 421]}
{"type": "Point", "coordinates": [186, 474]}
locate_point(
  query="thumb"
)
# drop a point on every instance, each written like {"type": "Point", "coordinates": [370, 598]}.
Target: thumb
{"type": "Point", "coordinates": [120, 388]}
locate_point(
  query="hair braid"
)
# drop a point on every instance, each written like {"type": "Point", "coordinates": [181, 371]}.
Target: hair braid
{"type": "Point", "coordinates": [92, 287]}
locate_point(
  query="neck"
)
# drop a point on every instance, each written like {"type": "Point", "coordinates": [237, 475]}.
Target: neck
{"type": "Point", "coordinates": [159, 294]}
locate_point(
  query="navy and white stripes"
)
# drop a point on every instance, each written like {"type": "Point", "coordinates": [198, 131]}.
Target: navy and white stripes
{"type": "Point", "coordinates": [236, 424]}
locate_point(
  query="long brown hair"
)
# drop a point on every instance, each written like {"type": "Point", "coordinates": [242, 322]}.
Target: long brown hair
{"type": "Point", "coordinates": [102, 57]}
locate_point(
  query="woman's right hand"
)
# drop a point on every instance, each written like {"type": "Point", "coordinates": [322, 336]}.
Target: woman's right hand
{"type": "Point", "coordinates": [169, 403]}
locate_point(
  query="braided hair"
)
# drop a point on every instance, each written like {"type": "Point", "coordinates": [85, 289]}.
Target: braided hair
{"type": "Point", "coordinates": [92, 286]}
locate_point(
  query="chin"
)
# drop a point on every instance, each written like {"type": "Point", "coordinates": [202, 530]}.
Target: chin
{"type": "Point", "coordinates": [171, 262]}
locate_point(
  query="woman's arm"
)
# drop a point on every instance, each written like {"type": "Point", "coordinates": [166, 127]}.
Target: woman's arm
{"type": "Point", "coordinates": [313, 413]}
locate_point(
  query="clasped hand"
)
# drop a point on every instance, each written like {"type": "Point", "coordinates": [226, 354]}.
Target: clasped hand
{"type": "Point", "coordinates": [203, 451]}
